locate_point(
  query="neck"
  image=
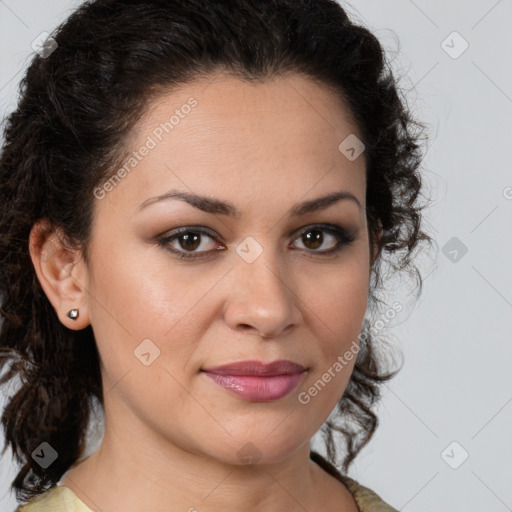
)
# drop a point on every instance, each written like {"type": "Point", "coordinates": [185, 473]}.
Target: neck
{"type": "Point", "coordinates": [157, 474]}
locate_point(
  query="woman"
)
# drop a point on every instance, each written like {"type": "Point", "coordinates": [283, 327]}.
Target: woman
{"type": "Point", "coordinates": [197, 197]}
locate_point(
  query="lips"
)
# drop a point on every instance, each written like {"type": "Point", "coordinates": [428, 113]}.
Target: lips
{"type": "Point", "coordinates": [281, 367]}
{"type": "Point", "coordinates": [256, 381]}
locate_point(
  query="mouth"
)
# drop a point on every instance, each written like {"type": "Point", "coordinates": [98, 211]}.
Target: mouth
{"type": "Point", "coordinates": [258, 382]}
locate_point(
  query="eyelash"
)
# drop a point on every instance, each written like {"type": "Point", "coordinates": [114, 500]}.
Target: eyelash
{"type": "Point", "coordinates": [342, 236]}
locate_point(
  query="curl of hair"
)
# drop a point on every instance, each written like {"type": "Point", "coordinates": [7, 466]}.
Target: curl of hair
{"type": "Point", "coordinates": [67, 136]}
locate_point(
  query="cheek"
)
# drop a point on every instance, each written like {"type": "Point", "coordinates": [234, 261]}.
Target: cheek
{"type": "Point", "coordinates": [336, 314]}
{"type": "Point", "coordinates": [340, 297]}
{"type": "Point", "coordinates": [138, 298]}
{"type": "Point", "coordinates": [142, 295]}
{"type": "Point", "coordinates": [141, 332]}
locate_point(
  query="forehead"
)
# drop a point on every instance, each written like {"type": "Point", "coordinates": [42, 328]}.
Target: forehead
{"type": "Point", "coordinates": [286, 101]}
{"type": "Point", "coordinates": [220, 135]}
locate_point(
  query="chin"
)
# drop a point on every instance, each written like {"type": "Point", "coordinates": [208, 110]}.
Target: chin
{"type": "Point", "coordinates": [259, 451]}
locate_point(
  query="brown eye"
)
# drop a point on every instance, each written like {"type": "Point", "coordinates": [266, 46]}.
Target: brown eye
{"type": "Point", "coordinates": [314, 237]}
{"type": "Point", "coordinates": [185, 242]}
{"type": "Point", "coordinates": [188, 241]}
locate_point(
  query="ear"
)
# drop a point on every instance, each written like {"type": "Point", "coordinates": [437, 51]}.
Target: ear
{"type": "Point", "coordinates": [62, 273]}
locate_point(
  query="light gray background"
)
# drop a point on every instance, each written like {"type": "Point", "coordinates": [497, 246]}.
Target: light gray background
{"type": "Point", "coordinates": [455, 384]}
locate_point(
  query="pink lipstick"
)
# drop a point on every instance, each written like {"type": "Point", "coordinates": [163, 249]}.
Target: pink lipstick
{"type": "Point", "coordinates": [256, 381]}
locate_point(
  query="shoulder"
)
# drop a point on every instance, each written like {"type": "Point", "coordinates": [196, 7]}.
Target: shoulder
{"type": "Point", "coordinates": [55, 499]}
{"type": "Point", "coordinates": [366, 499]}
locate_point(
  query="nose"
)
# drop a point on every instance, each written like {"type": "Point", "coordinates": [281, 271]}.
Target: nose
{"type": "Point", "coordinates": [262, 299]}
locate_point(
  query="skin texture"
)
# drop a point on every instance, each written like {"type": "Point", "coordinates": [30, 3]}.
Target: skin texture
{"type": "Point", "coordinates": [171, 434]}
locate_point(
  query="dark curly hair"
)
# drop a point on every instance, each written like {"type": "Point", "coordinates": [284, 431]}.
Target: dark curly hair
{"type": "Point", "coordinates": [76, 109]}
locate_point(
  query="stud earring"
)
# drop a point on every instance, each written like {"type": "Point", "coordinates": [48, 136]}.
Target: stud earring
{"type": "Point", "coordinates": [73, 314]}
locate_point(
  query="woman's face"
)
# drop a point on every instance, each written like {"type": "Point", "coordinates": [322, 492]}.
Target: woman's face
{"type": "Point", "coordinates": [267, 283]}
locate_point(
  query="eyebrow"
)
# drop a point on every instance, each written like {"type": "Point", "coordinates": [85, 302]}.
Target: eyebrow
{"type": "Point", "coordinates": [216, 206]}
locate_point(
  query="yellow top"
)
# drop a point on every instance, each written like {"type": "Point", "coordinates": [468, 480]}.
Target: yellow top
{"type": "Point", "coordinates": [63, 499]}
{"type": "Point", "coordinates": [55, 499]}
